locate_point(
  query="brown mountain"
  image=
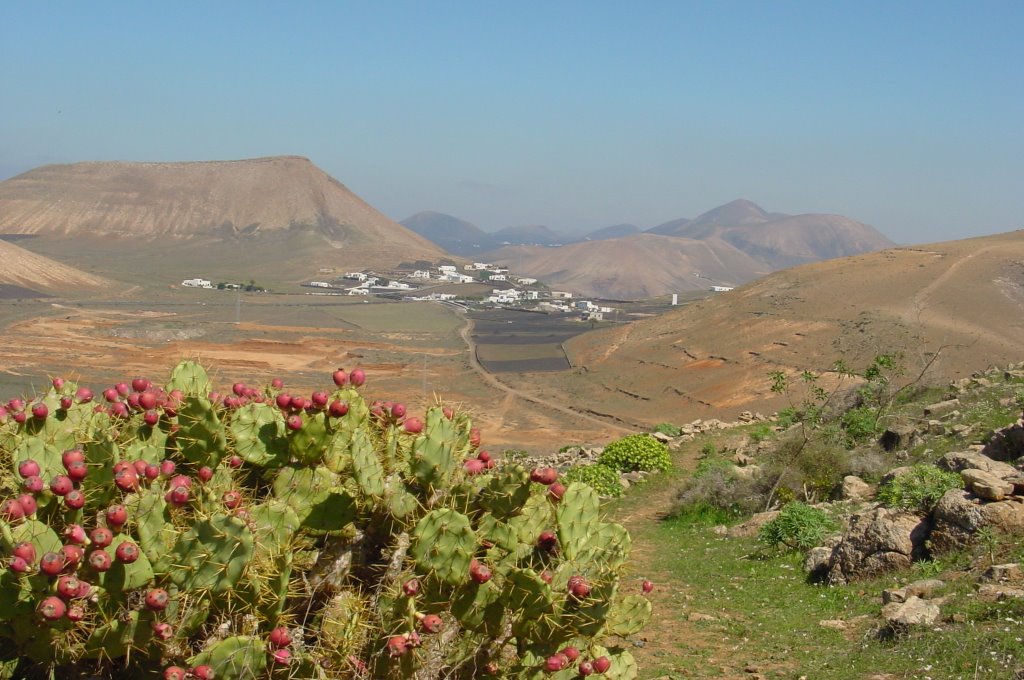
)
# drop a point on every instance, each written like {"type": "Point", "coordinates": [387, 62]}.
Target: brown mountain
{"type": "Point", "coordinates": [279, 211]}
{"type": "Point", "coordinates": [962, 300]}
{"type": "Point", "coordinates": [26, 274]}
{"type": "Point", "coordinates": [638, 266]}
{"type": "Point", "coordinates": [777, 239]}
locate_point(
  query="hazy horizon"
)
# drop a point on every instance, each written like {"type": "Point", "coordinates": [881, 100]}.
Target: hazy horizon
{"type": "Point", "coordinates": [574, 115]}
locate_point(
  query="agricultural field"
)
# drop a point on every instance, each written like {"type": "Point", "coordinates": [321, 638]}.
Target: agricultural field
{"type": "Point", "coordinates": [519, 342]}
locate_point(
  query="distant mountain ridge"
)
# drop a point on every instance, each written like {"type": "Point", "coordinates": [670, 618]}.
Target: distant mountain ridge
{"type": "Point", "coordinates": [780, 240]}
{"type": "Point", "coordinates": [634, 267]}
{"type": "Point", "coordinates": [460, 237]}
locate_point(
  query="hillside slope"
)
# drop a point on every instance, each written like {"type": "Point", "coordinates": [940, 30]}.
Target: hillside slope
{"type": "Point", "coordinates": [961, 299]}
{"type": "Point", "coordinates": [780, 240]}
{"type": "Point", "coordinates": [39, 274]}
{"type": "Point", "coordinates": [282, 213]}
{"type": "Point", "coordinates": [638, 266]}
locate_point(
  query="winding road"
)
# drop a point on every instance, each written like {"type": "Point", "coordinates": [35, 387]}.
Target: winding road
{"type": "Point", "coordinates": [512, 393]}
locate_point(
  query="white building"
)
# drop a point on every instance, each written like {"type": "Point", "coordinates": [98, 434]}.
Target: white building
{"type": "Point", "coordinates": [358, 290]}
{"type": "Point", "coordinates": [721, 289]}
{"type": "Point", "coordinates": [455, 277]}
{"type": "Point", "coordinates": [197, 283]}
{"type": "Point", "coordinates": [447, 269]}
{"type": "Point", "coordinates": [420, 274]}
{"type": "Point", "coordinates": [356, 276]}
{"type": "Point", "coordinates": [480, 265]}
{"type": "Point", "coordinates": [498, 277]}
{"type": "Point", "coordinates": [561, 295]}
{"type": "Point", "coordinates": [319, 284]}
{"type": "Point", "coordinates": [526, 281]}
{"type": "Point", "coordinates": [398, 285]}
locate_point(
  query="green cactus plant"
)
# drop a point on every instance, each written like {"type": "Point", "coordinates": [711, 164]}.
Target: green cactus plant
{"type": "Point", "coordinates": [269, 537]}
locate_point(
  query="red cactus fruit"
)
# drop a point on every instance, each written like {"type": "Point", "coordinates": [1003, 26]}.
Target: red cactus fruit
{"type": "Point", "coordinates": [140, 467]}
{"type": "Point", "coordinates": [61, 484]}
{"type": "Point", "coordinates": [319, 399]}
{"type": "Point", "coordinates": [74, 499]}
{"type": "Point", "coordinates": [235, 461]}
{"type": "Point", "coordinates": [167, 467]}
{"type": "Point", "coordinates": [175, 673]}
{"type": "Point", "coordinates": [162, 630]}
{"type": "Point", "coordinates": [205, 474]}
{"type": "Point", "coordinates": [647, 586]}
{"type": "Point", "coordinates": [72, 554]}
{"type": "Point", "coordinates": [66, 402]}
{"type": "Point", "coordinates": [294, 422]}
{"type": "Point", "coordinates": [83, 395]}
{"type": "Point", "coordinates": [279, 637]}
{"type": "Point", "coordinates": [411, 587]}
{"type": "Point", "coordinates": [231, 499]}
{"type": "Point", "coordinates": [204, 672]}
{"type": "Point", "coordinates": [127, 552]}
{"type": "Point", "coordinates": [282, 656]}
{"type": "Point", "coordinates": [151, 417]}
{"type": "Point", "coordinates": [338, 408]}
{"type": "Point", "coordinates": [474, 436]}
{"type": "Point", "coordinates": [67, 586]}
{"type": "Point", "coordinates": [546, 576]}
{"type": "Point", "coordinates": [52, 608]}
{"type": "Point", "coordinates": [127, 479]}
{"type": "Point", "coordinates": [28, 468]}
{"type": "Point", "coordinates": [479, 572]}
{"type": "Point", "coordinates": [18, 565]}
{"type": "Point", "coordinates": [75, 613]}
{"type": "Point", "coordinates": [12, 509]}
{"type": "Point", "coordinates": [157, 599]}
{"type": "Point", "coordinates": [544, 476]}
{"type": "Point", "coordinates": [28, 503]}
{"type": "Point", "coordinates": [152, 471]}
{"type": "Point", "coordinates": [148, 400]}
{"type": "Point", "coordinates": [586, 668]}
{"type": "Point", "coordinates": [100, 560]}
{"type": "Point", "coordinates": [180, 480]}
{"type": "Point", "coordinates": [412, 639]}
{"type": "Point", "coordinates": [357, 377]}
{"type": "Point", "coordinates": [25, 551]}
{"type": "Point", "coordinates": [578, 587]}
{"type": "Point", "coordinates": [72, 455]}
{"type": "Point", "coordinates": [602, 664]}
{"type": "Point", "coordinates": [178, 496]}
{"type": "Point", "coordinates": [555, 663]}
{"type": "Point", "coordinates": [340, 377]}
{"type": "Point", "coordinates": [570, 653]}
{"type": "Point", "coordinates": [556, 491]}
{"type": "Point", "coordinates": [40, 411]}
{"type": "Point", "coordinates": [473, 467]}
{"type": "Point", "coordinates": [485, 456]}
{"type": "Point", "coordinates": [448, 412]}
{"type": "Point", "coordinates": [547, 541]}
{"type": "Point", "coordinates": [76, 534]}
{"type": "Point", "coordinates": [413, 425]}
{"type": "Point", "coordinates": [77, 470]}
{"type": "Point", "coordinates": [101, 537]}
{"type": "Point", "coordinates": [397, 645]}
{"type": "Point", "coordinates": [51, 563]}
{"type": "Point", "coordinates": [33, 484]}
{"type": "Point", "coordinates": [431, 623]}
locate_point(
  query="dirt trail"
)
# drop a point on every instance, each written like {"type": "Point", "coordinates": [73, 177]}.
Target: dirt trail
{"type": "Point", "coordinates": [492, 381]}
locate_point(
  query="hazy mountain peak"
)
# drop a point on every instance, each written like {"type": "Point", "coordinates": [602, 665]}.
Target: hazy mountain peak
{"type": "Point", "coordinates": [740, 211]}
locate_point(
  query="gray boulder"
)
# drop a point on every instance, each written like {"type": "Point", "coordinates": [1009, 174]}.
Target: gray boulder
{"type": "Point", "coordinates": [901, 617]}
{"type": "Point", "coordinates": [986, 485]}
{"type": "Point", "coordinates": [957, 461]}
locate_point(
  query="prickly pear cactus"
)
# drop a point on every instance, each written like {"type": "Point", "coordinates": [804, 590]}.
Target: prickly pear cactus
{"type": "Point", "coordinates": [261, 534]}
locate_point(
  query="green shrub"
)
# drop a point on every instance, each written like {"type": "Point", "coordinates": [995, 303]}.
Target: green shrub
{"type": "Point", "coordinates": [920, 488]}
{"type": "Point", "coordinates": [760, 433]}
{"type": "Point", "coordinates": [797, 527]}
{"type": "Point", "coordinates": [860, 423]}
{"type": "Point", "coordinates": [669, 429]}
{"type": "Point", "coordinates": [636, 452]}
{"type": "Point", "coordinates": [601, 478]}
{"type": "Point", "coordinates": [709, 465]}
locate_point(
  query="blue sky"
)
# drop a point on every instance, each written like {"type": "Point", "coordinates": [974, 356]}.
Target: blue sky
{"type": "Point", "coordinates": [577, 115]}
